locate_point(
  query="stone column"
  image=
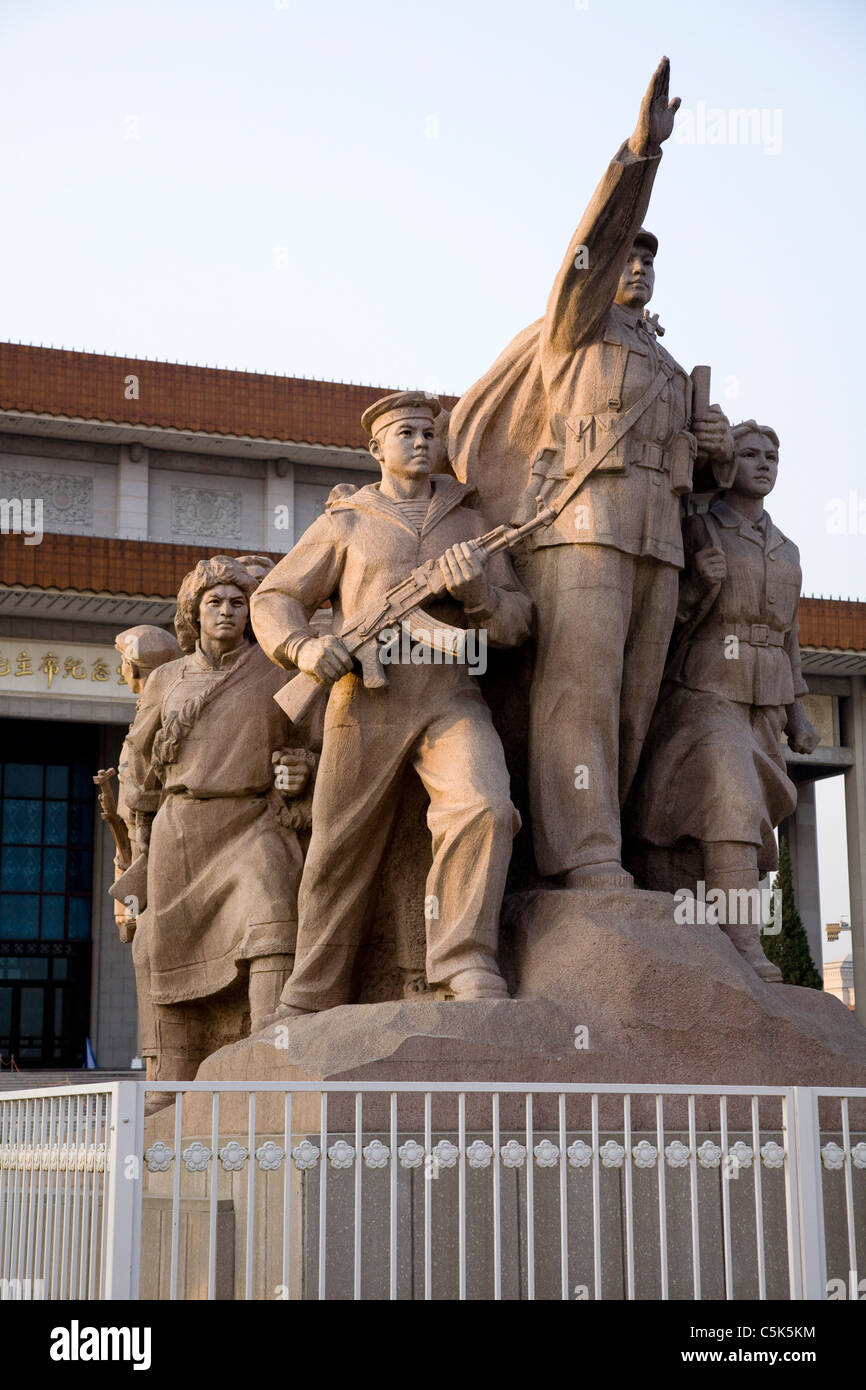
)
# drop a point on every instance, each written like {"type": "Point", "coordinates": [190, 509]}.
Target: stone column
{"type": "Point", "coordinates": [279, 519]}
{"type": "Point", "coordinates": [801, 833]}
{"type": "Point", "coordinates": [132, 493]}
{"type": "Point", "coordinates": [853, 720]}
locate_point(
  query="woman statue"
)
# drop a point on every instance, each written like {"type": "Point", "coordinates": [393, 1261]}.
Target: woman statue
{"type": "Point", "coordinates": [713, 776]}
{"type": "Point", "coordinates": [224, 857]}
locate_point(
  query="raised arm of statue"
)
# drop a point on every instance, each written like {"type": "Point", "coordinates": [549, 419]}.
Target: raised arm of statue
{"type": "Point", "coordinates": [584, 289]}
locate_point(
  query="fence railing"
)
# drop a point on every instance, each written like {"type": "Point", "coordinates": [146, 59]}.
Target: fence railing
{"type": "Point", "coordinates": [408, 1190]}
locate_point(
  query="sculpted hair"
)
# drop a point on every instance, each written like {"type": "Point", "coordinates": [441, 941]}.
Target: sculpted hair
{"type": "Point", "coordinates": [220, 569]}
{"type": "Point", "coordinates": [752, 427]}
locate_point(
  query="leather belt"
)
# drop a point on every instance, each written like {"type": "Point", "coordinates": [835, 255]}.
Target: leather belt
{"type": "Point", "coordinates": [649, 455]}
{"type": "Point", "coordinates": [755, 634]}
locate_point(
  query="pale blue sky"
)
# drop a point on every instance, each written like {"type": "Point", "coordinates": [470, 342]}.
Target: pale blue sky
{"type": "Point", "coordinates": [383, 193]}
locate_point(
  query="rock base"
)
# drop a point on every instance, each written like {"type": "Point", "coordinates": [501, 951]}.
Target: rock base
{"type": "Point", "coordinates": [607, 988]}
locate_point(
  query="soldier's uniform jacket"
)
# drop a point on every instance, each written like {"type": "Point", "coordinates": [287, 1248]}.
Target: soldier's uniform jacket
{"type": "Point", "coordinates": [597, 360]}
{"type": "Point", "coordinates": [362, 546]}
{"type": "Point", "coordinates": [757, 605]}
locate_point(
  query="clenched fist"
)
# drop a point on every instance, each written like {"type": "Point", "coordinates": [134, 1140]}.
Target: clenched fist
{"type": "Point", "coordinates": [711, 566]}
{"type": "Point", "coordinates": [803, 737]}
{"type": "Point", "coordinates": [297, 770]}
{"type": "Point", "coordinates": [325, 658]}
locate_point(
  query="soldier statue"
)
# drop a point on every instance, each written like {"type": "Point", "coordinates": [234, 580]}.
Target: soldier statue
{"type": "Point", "coordinates": [591, 382]}
{"type": "Point", "coordinates": [430, 717]}
{"type": "Point", "coordinates": [713, 775]}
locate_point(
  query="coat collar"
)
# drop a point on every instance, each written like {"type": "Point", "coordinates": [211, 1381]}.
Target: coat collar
{"type": "Point", "coordinates": [448, 493]}
{"type": "Point", "coordinates": [726, 515]}
{"type": "Point", "coordinates": [226, 660]}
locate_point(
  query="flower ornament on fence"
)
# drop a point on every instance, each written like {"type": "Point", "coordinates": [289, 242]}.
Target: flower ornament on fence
{"type": "Point", "coordinates": [269, 1156]}
{"type": "Point", "coordinates": [158, 1157]}
{"type": "Point", "coordinates": [341, 1154]}
{"type": "Point", "coordinates": [445, 1153]}
{"type": "Point", "coordinates": [305, 1155]}
{"type": "Point", "coordinates": [411, 1154]}
{"type": "Point", "coordinates": [611, 1154]}
{"type": "Point", "coordinates": [709, 1155]}
{"type": "Point", "coordinates": [512, 1154]}
{"type": "Point", "coordinates": [479, 1154]}
{"type": "Point", "coordinates": [233, 1156]}
{"type": "Point", "coordinates": [677, 1153]}
{"type": "Point", "coordinates": [741, 1154]}
{"type": "Point", "coordinates": [772, 1155]}
{"type": "Point", "coordinates": [197, 1157]}
{"type": "Point", "coordinates": [546, 1154]}
{"type": "Point", "coordinates": [376, 1154]}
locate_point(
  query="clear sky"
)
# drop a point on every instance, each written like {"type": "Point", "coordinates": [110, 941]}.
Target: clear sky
{"type": "Point", "coordinates": [383, 192]}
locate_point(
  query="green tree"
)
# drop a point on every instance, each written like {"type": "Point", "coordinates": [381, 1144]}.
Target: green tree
{"type": "Point", "coordinates": [789, 948]}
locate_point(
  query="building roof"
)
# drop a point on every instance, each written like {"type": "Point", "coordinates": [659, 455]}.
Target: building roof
{"type": "Point", "coordinates": [93, 386]}
{"type": "Point", "coordinates": [835, 623]}
{"type": "Point", "coordinates": [100, 564]}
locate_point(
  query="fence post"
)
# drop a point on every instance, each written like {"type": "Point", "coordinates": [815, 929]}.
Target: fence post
{"type": "Point", "coordinates": [123, 1192]}
{"type": "Point", "coordinates": [810, 1194]}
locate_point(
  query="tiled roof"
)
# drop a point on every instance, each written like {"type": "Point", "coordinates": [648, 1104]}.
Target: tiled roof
{"type": "Point", "coordinates": [833, 622]}
{"type": "Point", "coordinates": [90, 386]}
{"type": "Point", "coordinates": [148, 568]}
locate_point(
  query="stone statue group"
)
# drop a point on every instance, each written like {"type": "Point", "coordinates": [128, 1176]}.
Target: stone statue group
{"type": "Point", "coordinates": [662, 604]}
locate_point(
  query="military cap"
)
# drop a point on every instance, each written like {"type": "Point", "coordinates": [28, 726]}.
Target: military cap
{"type": "Point", "coordinates": [147, 646]}
{"type": "Point", "coordinates": [402, 405]}
{"type": "Point", "coordinates": [645, 238]}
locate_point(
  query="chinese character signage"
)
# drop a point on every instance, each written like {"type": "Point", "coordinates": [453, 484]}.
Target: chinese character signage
{"type": "Point", "coordinates": [77, 670]}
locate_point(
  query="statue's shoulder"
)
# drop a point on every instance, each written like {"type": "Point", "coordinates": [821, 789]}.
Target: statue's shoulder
{"type": "Point", "coordinates": [778, 539]}
{"type": "Point", "coordinates": [165, 675]}
{"type": "Point", "coordinates": [339, 496]}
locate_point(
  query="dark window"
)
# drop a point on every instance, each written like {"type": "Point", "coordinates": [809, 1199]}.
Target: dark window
{"type": "Point", "coordinates": [47, 819]}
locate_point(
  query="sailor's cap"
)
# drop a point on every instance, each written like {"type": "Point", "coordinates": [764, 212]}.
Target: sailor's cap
{"type": "Point", "coordinates": [402, 405]}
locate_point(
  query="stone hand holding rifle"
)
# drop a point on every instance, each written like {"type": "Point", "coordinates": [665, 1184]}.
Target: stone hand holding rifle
{"type": "Point", "coordinates": [459, 572]}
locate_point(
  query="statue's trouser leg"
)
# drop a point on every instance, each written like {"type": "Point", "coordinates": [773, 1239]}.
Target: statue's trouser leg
{"type": "Point", "coordinates": [653, 610]}
{"type": "Point", "coordinates": [357, 790]}
{"type": "Point", "coordinates": [268, 975]}
{"type": "Point", "coordinates": [472, 822]}
{"type": "Point", "coordinates": [181, 1043]}
{"type": "Point", "coordinates": [733, 868]}
{"type": "Point", "coordinates": [604, 622]}
{"type": "Point", "coordinates": [146, 1013]}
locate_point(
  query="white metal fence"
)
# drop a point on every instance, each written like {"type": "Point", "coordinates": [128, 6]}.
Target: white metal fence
{"type": "Point", "coordinates": [421, 1190]}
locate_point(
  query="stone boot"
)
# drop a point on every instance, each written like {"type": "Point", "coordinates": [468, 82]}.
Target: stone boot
{"type": "Point", "coordinates": [474, 984]}
{"type": "Point", "coordinates": [748, 942]}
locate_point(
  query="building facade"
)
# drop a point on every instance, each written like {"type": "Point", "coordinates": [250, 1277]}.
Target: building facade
{"type": "Point", "coordinates": [141, 469]}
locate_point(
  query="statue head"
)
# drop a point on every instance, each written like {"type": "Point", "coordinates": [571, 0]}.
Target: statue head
{"type": "Point", "coordinates": [142, 649]}
{"type": "Point", "coordinates": [258, 565]}
{"type": "Point", "coordinates": [213, 605]}
{"type": "Point", "coordinates": [403, 435]}
{"type": "Point", "coordinates": [756, 456]}
{"type": "Point", "coordinates": [637, 281]}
